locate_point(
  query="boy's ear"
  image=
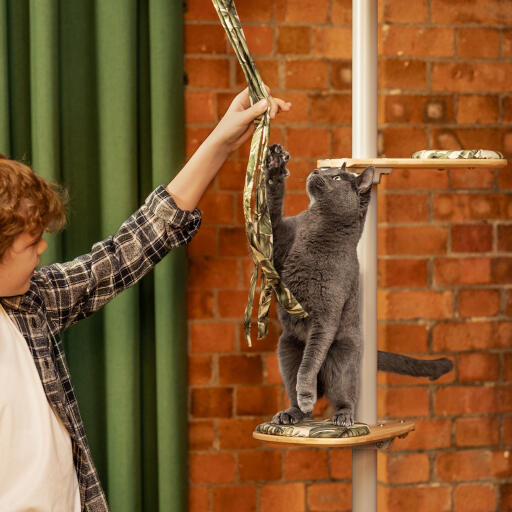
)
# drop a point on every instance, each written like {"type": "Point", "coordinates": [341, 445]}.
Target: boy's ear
{"type": "Point", "coordinates": [365, 179]}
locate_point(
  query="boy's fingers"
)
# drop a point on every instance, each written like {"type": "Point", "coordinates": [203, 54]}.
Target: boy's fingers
{"type": "Point", "coordinates": [261, 106]}
{"type": "Point", "coordinates": [274, 107]}
{"type": "Point", "coordinates": [283, 105]}
{"type": "Point", "coordinates": [241, 101]}
{"type": "Point", "coordinates": [256, 110]}
{"type": "Point", "coordinates": [277, 105]}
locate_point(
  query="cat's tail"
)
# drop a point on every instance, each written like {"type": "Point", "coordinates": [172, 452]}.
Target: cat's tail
{"type": "Point", "coordinates": [405, 365]}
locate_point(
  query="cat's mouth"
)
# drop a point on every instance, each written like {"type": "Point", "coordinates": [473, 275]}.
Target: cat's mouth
{"type": "Point", "coordinates": [316, 180]}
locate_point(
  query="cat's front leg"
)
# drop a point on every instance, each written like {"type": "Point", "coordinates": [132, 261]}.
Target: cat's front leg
{"type": "Point", "coordinates": [316, 349]}
{"type": "Point", "coordinates": [306, 395]}
{"type": "Point", "coordinates": [276, 173]}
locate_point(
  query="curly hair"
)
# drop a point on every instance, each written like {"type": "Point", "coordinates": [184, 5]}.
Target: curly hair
{"type": "Point", "coordinates": [28, 203]}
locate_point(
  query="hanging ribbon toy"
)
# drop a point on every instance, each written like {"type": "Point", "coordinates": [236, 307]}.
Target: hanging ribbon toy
{"type": "Point", "coordinates": [257, 224]}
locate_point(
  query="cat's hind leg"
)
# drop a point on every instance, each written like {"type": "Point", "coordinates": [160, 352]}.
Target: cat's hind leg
{"type": "Point", "coordinates": [339, 377]}
{"type": "Point", "coordinates": [289, 352]}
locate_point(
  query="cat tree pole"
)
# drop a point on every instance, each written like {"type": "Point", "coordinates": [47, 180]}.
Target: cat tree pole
{"type": "Point", "coordinates": [364, 145]}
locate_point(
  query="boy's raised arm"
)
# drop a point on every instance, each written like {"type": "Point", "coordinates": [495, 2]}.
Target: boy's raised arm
{"type": "Point", "coordinates": [168, 218]}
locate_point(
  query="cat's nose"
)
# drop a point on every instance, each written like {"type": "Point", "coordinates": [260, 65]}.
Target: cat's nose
{"type": "Point", "coordinates": [315, 171]}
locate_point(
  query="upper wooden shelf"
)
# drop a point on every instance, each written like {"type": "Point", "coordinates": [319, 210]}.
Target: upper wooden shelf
{"type": "Point", "coordinates": [414, 163]}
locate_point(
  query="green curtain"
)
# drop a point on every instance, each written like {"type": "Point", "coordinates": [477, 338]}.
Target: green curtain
{"type": "Point", "coordinates": [91, 96]}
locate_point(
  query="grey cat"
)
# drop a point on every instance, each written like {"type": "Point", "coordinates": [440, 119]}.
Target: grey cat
{"type": "Point", "coordinates": [315, 255]}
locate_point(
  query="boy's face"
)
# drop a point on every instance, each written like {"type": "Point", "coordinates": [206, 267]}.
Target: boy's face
{"type": "Point", "coordinates": [19, 262]}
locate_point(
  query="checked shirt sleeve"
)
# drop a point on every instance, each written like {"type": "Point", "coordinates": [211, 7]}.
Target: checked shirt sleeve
{"type": "Point", "coordinates": [74, 290]}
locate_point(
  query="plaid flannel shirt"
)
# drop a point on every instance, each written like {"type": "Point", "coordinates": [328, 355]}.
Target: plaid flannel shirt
{"type": "Point", "coordinates": [64, 293]}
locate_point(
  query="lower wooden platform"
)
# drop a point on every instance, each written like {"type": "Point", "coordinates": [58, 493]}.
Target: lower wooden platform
{"type": "Point", "coordinates": [379, 433]}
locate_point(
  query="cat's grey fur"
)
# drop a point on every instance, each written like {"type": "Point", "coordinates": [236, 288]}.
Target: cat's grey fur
{"type": "Point", "coordinates": [315, 254]}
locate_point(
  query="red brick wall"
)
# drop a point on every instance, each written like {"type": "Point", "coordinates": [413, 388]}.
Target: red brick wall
{"type": "Point", "coordinates": [445, 269]}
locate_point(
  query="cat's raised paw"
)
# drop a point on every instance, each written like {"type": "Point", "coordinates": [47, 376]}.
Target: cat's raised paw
{"type": "Point", "coordinates": [275, 163]}
{"type": "Point", "coordinates": [290, 416]}
{"type": "Point", "coordinates": [343, 417]}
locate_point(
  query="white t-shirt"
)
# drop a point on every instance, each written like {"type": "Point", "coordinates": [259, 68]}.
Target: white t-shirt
{"type": "Point", "coordinates": [36, 459]}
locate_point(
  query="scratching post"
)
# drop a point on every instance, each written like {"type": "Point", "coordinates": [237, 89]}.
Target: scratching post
{"type": "Point", "coordinates": [364, 145]}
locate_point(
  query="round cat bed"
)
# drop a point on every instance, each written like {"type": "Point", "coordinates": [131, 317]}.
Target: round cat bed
{"type": "Point", "coordinates": [326, 433]}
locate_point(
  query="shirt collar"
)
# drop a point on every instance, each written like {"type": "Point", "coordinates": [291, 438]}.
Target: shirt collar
{"type": "Point", "coordinates": [22, 303]}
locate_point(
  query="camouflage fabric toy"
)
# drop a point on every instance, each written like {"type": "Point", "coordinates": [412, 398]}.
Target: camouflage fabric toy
{"type": "Point", "coordinates": [257, 224]}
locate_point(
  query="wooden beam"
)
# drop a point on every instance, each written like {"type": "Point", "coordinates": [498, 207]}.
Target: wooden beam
{"type": "Point", "coordinates": [414, 163]}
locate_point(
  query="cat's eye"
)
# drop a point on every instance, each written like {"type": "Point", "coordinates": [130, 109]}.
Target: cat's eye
{"type": "Point", "coordinates": [336, 178]}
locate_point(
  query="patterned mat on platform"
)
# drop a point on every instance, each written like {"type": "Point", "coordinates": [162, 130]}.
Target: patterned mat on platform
{"type": "Point", "coordinates": [456, 154]}
{"type": "Point", "coordinates": [314, 428]}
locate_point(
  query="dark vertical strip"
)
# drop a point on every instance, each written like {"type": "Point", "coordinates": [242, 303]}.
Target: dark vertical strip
{"type": "Point", "coordinates": [5, 135]}
{"type": "Point", "coordinates": [19, 79]}
{"type": "Point", "coordinates": [149, 450]}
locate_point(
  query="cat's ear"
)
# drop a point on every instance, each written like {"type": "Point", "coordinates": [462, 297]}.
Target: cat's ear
{"type": "Point", "coordinates": [344, 166]}
{"type": "Point", "coordinates": [365, 179]}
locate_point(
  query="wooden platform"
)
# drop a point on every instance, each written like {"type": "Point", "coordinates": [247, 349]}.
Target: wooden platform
{"type": "Point", "coordinates": [414, 163]}
{"type": "Point", "coordinates": [379, 433]}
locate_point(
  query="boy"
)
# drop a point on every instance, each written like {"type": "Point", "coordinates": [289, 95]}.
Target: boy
{"type": "Point", "coordinates": [45, 462]}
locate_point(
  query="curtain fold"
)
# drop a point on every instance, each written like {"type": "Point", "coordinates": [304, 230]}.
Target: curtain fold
{"type": "Point", "coordinates": [93, 99]}
{"type": "Point", "coordinates": [44, 87]}
{"type": "Point", "coordinates": [5, 139]}
{"type": "Point", "coordinates": [18, 78]}
{"type": "Point", "coordinates": [117, 144]}
{"type": "Point", "coordinates": [167, 152]}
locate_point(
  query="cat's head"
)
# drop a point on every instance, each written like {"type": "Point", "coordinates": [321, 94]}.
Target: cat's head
{"type": "Point", "coordinates": [340, 193]}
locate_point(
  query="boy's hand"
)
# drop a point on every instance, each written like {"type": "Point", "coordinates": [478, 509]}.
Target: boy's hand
{"type": "Point", "coordinates": [233, 129]}
{"type": "Point", "coordinates": [236, 125]}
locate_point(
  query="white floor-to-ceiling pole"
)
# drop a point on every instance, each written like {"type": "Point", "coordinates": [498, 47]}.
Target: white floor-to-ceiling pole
{"type": "Point", "coordinates": [364, 145]}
